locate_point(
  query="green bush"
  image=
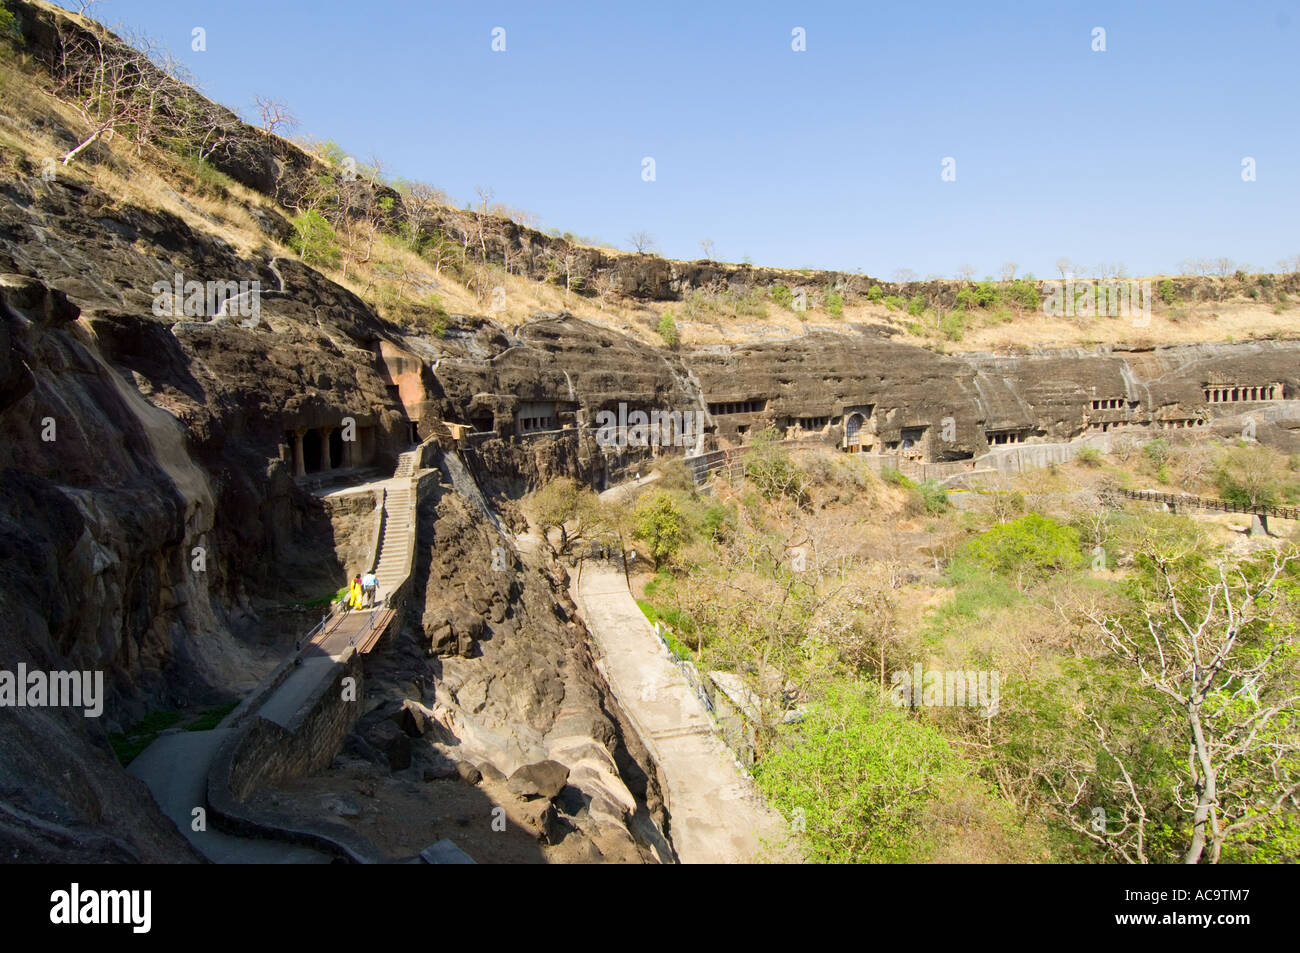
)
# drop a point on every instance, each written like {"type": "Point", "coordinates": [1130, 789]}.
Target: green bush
{"type": "Point", "coordinates": [719, 521]}
{"type": "Point", "coordinates": [835, 304]}
{"type": "Point", "coordinates": [1089, 457]}
{"type": "Point", "coordinates": [916, 307]}
{"type": "Point", "coordinates": [211, 718]}
{"type": "Point", "coordinates": [1253, 476]}
{"type": "Point", "coordinates": [953, 325]}
{"type": "Point", "coordinates": [1024, 294]}
{"type": "Point", "coordinates": [1166, 291]}
{"type": "Point", "coordinates": [315, 240]}
{"type": "Point", "coordinates": [1032, 545]}
{"type": "Point", "coordinates": [934, 496]}
{"type": "Point", "coordinates": [895, 477]}
{"type": "Point", "coordinates": [783, 296]}
{"type": "Point", "coordinates": [895, 303]}
{"type": "Point", "coordinates": [667, 329]}
{"type": "Point", "coordinates": [9, 26]}
{"type": "Point", "coordinates": [128, 745]}
{"type": "Point", "coordinates": [673, 618]}
{"type": "Point", "coordinates": [875, 293]}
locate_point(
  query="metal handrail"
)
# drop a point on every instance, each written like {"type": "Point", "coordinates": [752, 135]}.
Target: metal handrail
{"type": "Point", "coordinates": [1225, 506]}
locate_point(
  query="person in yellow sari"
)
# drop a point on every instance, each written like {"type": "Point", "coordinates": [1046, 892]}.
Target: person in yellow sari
{"type": "Point", "coordinates": [354, 593]}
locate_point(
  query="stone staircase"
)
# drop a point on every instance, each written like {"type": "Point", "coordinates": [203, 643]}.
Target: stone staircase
{"type": "Point", "coordinates": [405, 465]}
{"type": "Point", "coordinates": [393, 559]}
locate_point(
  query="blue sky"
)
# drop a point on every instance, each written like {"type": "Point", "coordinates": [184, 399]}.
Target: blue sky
{"type": "Point", "coordinates": [827, 158]}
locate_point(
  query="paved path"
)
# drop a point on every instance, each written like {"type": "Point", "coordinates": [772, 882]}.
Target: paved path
{"type": "Point", "coordinates": [175, 767]}
{"type": "Point", "coordinates": [716, 814]}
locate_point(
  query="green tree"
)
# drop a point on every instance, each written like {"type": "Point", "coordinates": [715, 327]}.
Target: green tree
{"type": "Point", "coordinates": [1211, 770]}
{"type": "Point", "coordinates": [566, 505]}
{"type": "Point", "coordinates": [660, 523]}
{"type": "Point", "coordinates": [861, 775]}
{"type": "Point", "coordinates": [1252, 476]}
{"type": "Point", "coordinates": [315, 240]}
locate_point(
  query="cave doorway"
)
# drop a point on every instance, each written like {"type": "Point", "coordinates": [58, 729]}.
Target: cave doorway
{"type": "Point", "coordinates": [853, 432]}
{"type": "Point", "coordinates": [311, 446]}
{"type": "Point", "coordinates": [336, 448]}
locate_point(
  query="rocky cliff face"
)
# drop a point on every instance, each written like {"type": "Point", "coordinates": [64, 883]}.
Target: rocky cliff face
{"type": "Point", "coordinates": [150, 519]}
{"type": "Point", "coordinates": [1047, 395]}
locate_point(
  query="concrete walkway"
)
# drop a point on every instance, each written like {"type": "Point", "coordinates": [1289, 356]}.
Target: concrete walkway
{"type": "Point", "coordinates": [716, 814]}
{"type": "Point", "coordinates": [175, 768]}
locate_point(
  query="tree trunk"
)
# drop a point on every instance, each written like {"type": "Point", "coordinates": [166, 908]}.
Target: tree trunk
{"type": "Point", "coordinates": [67, 159]}
{"type": "Point", "coordinates": [1207, 789]}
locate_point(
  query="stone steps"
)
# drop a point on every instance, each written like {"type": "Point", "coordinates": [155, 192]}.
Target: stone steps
{"type": "Point", "coordinates": [392, 562]}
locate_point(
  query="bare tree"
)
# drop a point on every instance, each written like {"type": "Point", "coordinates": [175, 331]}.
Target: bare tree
{"type": "Point", "coordinates": [604, 284]}
{"type": "Point", "coordinates": [275, 115]}
{"type": "Point", "coordinates": [574, 272]}
{"type": "Point", "coordinates": [1008, 272]}
{"type": "Point", "coordinates": [966, 272]}
{"type": "Point", "coordinates": [481, 212]}
{"type": "Point", "coordinates": [99, 79]}
{"type": "Point", "coordinates": [1223, 267]}
{"type": "Point", "coordinates": [706, 246]}
{"type": "Point", "coordinates": [643, 242]}
{"type": "Point", "coordinates": [420, 201]}
{"type": "Point", "coordinates": [903, 276]}
{"type": "Point", "coordinates": [1063, 265]}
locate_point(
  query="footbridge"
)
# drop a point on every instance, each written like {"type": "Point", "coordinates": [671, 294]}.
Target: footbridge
{"type": "Point", "coordinates": [1175, 501]}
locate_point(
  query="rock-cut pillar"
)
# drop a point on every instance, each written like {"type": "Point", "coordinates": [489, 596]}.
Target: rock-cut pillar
{"type": "Point", "coordinates": [325, 449]}
{"type": "Point", "coordinates": [299, 462]}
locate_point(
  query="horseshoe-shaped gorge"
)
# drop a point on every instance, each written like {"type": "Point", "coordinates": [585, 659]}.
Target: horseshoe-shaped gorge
{"type": "Point", "coordinates": [187, 488]}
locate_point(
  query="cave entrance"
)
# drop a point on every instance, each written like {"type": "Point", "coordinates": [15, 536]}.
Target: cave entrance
{"type": "Point", "coordinates": [311, 446]}
{"type": "Point", "coordinates": [853, 432]}
{"type": "Point", "coordinates": [336, 448]}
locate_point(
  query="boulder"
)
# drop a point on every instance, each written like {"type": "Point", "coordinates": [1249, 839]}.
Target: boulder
{"type": "Point", "coordinates": [544, 779]}
{"type": "Point", "coordinates": [384, 736]}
